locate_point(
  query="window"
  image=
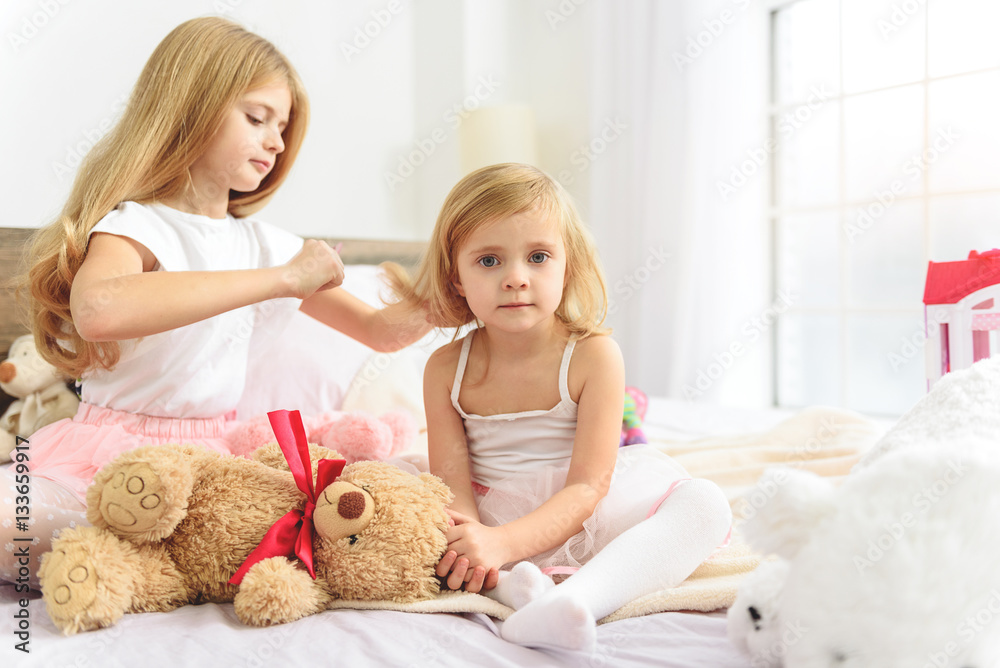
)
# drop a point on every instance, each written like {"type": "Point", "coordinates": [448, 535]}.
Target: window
{"type": "Point", "coordinates": [886, 119]}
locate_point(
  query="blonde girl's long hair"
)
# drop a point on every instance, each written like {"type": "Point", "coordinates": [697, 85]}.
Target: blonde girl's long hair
{"type": "Point", "coordinates": [486, 196]}
{"type": "Point", "coordinates": [187, 87]}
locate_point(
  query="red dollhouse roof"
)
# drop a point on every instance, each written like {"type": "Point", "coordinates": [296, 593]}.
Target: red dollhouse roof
{"type": "Point", "coordinates": [949, 282]}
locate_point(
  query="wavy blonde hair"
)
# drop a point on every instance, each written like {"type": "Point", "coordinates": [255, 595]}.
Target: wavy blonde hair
{"type": "Point", "coordinates": [486, 196]}
{"type": "Point", "coordinates": [193, 78]}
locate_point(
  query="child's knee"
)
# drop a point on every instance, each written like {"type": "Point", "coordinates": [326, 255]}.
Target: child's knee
{"type": "Point", "coordinates": [709, 502]}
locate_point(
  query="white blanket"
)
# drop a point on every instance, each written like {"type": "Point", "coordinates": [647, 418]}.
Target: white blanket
{"type": "Point", "coordinates": [637, 635]}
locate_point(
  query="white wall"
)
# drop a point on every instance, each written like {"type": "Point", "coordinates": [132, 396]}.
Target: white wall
{"type": "Point", "coordinates": [389, 82]}
{"type": "Point", "coordinates": [65, 76]}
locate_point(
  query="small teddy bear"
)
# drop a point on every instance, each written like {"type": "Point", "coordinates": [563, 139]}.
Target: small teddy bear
{"type": "Point", "coordinates": [179, 524]}
{"type": "Point", "coordinates": [40, 392]}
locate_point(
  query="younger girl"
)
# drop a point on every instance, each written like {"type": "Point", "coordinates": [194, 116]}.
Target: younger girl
{"type": "Point", "coordinates": [154, 283]}
{"type": "Point", "coordinates": [524, 420]}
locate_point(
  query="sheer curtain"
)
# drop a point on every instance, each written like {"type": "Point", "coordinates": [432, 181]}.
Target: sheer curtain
{"type": "Point", "coordinates": [679, 199]}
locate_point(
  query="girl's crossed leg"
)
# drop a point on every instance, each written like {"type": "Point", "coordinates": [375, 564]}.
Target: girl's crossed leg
{"type": "Point", "coordinates": [658, 553]}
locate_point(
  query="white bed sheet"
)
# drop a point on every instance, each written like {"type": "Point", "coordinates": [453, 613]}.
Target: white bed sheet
{"type": "Point", "coordinates": [210, 635]}
{"type": "Point", "coordinates": [670, 420]}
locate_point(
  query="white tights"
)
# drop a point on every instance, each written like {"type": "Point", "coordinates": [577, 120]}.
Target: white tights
{"type": "Point", "coordinates": [50, 508]}
{"type": "Point", "coordinates": [658, 553]}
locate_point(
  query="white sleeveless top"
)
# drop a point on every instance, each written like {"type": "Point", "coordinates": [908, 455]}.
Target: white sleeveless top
{"type": "Point", "coordinates": [511, 444]}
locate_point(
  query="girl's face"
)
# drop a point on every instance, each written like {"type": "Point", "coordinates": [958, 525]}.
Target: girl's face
{"type": "Point", "coordinates": [512, 272]}
{"type": "Point", "coordinates": [244, 149]}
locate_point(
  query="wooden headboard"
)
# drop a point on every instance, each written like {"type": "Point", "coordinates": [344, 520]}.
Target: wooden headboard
{"type": "Point", "coordinates": [14, 242]}
{"type": "Point", "coordinates": [12, 247]}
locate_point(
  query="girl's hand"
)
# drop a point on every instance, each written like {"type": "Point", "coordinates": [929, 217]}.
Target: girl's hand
{"type": "Point", "coordinates": [314, 268]}
{"type": "Point", "coordinates": [475, 579]}
{"type": "Point", "coordinates": [475, 554]}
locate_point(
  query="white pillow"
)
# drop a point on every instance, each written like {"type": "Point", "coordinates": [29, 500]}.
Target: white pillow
{"type": "Point", "coordinates": [309, 367]}
{"type": "Point", "coordinates": [313, 368]}
{"type": "Point", "coordinates": [394, 381]}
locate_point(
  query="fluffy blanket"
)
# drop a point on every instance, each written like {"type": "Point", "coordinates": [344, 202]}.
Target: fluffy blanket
{"type": "Point", "coordinates": [825, 441]}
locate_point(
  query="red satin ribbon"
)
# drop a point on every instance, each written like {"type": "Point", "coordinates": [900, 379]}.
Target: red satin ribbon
{"type": "Point", "coordinates": [292, 535]}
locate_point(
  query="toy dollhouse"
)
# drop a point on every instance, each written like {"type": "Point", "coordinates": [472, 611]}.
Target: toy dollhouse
{"type": "Point", "coordinates": [962, 312]}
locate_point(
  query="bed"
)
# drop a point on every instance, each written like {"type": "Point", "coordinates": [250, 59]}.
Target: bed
{"type": "Point", "coordinates": [679, 628]}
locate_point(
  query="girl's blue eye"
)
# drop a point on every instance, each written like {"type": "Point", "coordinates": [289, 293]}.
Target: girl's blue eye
{"type": "Point", "coordinates": [254, 120]}
{"type": "Point", "coordinates": [539, 258]}
{"type": "Point", "coordinates": [488, 261]}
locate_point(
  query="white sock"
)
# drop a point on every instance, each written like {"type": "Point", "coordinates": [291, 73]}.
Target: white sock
{"type": "Point", "coordinates": [658, 553]}
{"type": "Point", "coordinates": [520, 585]}
{"type": "Point", "coordinates": [553, 620]}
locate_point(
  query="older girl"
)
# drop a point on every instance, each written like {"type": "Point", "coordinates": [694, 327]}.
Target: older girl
{"type": "Point", "coordinates": [154, 281]}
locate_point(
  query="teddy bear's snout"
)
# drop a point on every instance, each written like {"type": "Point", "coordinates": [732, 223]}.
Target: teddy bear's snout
{"type": "Point", "coordinates": [343, 510]}
{"type": "Point", "coordinates": [351, 505]}
{"type": "Point", "coordinates": [7, 372]}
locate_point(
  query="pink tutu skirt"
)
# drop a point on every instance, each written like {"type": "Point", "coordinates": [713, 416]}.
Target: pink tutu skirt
{"type": "Point", "coordinates": [71, 451]}
{"type": "Point", "coordinates": [643, 477]}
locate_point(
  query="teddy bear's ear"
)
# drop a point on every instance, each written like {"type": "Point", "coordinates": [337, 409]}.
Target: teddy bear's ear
{"type": "Point", "coordinates": [784, 508]}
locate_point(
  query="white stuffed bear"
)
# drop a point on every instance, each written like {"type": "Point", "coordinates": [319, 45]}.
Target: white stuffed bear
{"type": "Point", "coordinates": [40, 392]}
{"type": "Point", "coordinates": [898, 566]}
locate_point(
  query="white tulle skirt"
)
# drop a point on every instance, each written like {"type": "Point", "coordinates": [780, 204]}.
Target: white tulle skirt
{"type": "Point", "coordinates": [642, 476]}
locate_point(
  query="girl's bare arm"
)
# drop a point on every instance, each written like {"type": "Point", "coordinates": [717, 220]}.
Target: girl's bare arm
{"type": "Point", "coordinates": [447, 447]}
{"type": "Point", "coordinates": [386, 329]}
{"type": "Point", "coordinates": [116, 296]}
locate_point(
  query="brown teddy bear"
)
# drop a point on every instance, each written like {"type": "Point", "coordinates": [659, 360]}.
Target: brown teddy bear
{"type": "Point", "coordinates": [174, 524]}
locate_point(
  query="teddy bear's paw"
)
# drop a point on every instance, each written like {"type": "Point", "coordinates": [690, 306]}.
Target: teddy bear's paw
{"type": "Point", "coordinates": [276, 591]}
{"type": "Point", "coordinates": [71, 584]}
{"type": "Point", "coordinates": [76, 596]}
{"type": "Point", "coordinates": [143, 494]}
{"type": "Point", "coordinates": [133, 500]}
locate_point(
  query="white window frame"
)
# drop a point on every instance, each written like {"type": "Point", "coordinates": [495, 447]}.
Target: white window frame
{"type": "Point", "coordinates": [844, 309]}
